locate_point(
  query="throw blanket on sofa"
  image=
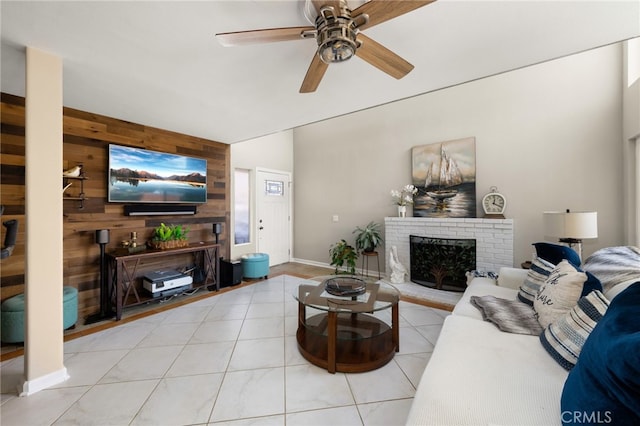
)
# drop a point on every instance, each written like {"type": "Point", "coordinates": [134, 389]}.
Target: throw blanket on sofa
{"type": "Point", "coordinates": [614, 265]}
{"type": "Point", "coordinates": [511, 316]}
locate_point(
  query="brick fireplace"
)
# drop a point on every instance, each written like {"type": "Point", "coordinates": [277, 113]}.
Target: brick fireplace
{"type": "Point", "coordinates": [494, 237]}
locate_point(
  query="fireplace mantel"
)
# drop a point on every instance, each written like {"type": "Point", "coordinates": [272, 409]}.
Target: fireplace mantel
{"type": "Point", "coordinates": [494, 237]}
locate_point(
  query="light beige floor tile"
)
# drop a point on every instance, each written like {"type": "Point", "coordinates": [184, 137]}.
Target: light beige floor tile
{"type": "Point", "coordinates": [385, 383]}
{"type": "Point", "coordinates": [255, 421]}
{"type": "Point", "coordinates": [292, 355]}
{"type": "Point", "coordinates": [431, 332]}
{"type": "Point", "coordinates": [341, 416]}
{"type": "Point", "coordinates": [225, 312]}
{"type": "Point", "coordinates": [11, 375]}
{"type": "Point", "coordinates": [413, 365]}
{"type": "Point", "coordinates": [310, 387]}
{"type": "Point", "coordinates": [202, 359]}
{"type": "Point", "coordinates": [250, 393]}
{"type": "Point", "coordinates": [42, 408]}
{"type": "Point", "coordinates": [87, 368]}
{"type": "Point", "coordinates": [180, 401]}
{"type": "Point", "coordinates": [269, 296]}
{"type": "Point", "coordinates": [257, 353]}
{"type": "Point", "coordinates": [411, 341]}
{"type": "Point", "coordinates": [188, 313]}
{"type": "Point", "coordinates": [240, 297]}
{"type": "Point", "coordinates": [142, 364]}
{"type": "Point", "coordinates": [169, 334]}
{"type": "Point", "coordinates": [262, 327]}
{"type": "Point", "coordinates": [420, 315]}
{"type": "Point", "coordinates": [109, 404]}
{"type": "Point", "coordinates": [385, 413]}
{"type": "Point", "coordinates": [122, 337]}
{"type": "Point", "coordinates": [265, 310]}
{"type": "Point", "coordinates": [217, 331]}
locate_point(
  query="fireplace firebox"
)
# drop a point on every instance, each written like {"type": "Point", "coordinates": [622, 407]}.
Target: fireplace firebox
{"type": "Point", "coordinates": [441, 263]}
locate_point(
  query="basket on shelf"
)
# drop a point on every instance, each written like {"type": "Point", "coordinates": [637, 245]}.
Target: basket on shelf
{"type": "Point", "coordinates": [169, 237]}
{"type": "Point", "coordinates": [170, 244]}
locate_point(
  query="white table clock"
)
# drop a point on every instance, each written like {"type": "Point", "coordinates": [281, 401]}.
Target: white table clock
{"type": "Point", "coordinates": [494, 204]}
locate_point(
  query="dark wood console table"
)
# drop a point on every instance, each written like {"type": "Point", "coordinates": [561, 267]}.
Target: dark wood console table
{"type": "Point", "coordinates": [123, 272]}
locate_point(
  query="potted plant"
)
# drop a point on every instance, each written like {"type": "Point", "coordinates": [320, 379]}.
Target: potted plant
{"type": "Point", "coordinates": [169, 236]}
{"type": "Point", "coordinates": [403, 197]}
{"type": "Point", "coordinates": [342, 253]}
{"type": "Point", "coordinates": [368, 237]}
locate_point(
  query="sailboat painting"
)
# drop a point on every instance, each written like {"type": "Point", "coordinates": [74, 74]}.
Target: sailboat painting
{"type": "Point", "coordinates": [445, 175]}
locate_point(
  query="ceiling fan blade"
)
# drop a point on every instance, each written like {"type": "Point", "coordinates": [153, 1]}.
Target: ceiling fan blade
{"type": "Point", "coordinates": [314, 75]}
{"type": "Point", "coordinates": [382, 58]}
{"type": "Point", "coordinates": [382, 10]}
{"type": "Point", "coordinates": [262, 36]}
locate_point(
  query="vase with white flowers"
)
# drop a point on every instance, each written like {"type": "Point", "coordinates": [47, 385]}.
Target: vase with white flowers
{"type": "Point", "coordinates": [403, 197]}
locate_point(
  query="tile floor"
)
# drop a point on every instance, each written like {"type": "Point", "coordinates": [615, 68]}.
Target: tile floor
{"type": "Point", "coordinates": [229, 359]}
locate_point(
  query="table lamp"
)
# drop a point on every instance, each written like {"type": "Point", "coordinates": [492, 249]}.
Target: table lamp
{"type": "Point", "coordinates": [571, 227]}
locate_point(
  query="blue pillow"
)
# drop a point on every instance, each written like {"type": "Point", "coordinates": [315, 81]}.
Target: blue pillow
{"type": "Point", "coordinates": [592, 283]}
{"type": "Point", "coordinates": [604, 386]}
{"type": "Point", "coordinates": [556, 253]}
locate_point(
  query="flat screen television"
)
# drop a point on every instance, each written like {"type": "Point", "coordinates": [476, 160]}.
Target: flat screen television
{"type": "Point", "coordinates": [143, 176]}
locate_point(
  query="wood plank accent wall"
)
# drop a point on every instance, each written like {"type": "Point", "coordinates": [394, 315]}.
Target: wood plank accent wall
{"type": "Point", "coordinates": [85, 141]}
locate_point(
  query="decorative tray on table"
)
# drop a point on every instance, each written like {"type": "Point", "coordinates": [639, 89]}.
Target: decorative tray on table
{"type": "Point", "coordinates": [345, 286]}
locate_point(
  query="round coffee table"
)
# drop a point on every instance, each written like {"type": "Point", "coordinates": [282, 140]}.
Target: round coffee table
{"type": "Point", "coordinates": [347, 333]}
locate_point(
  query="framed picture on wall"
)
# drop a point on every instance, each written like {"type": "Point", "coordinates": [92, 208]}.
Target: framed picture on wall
{"type": "Point", "coordinates": [445, 175]}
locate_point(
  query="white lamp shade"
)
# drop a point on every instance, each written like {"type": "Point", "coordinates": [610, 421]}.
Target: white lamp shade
{"type": "Point", "coordinates": [575, 225]}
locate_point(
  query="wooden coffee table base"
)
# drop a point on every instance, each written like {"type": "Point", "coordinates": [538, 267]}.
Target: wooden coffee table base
{"type": "Point", "coordinates": [346, 342]}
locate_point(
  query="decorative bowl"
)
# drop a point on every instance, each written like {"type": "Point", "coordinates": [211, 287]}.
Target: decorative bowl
{"type": "Point", "coordinates": [345, 286]}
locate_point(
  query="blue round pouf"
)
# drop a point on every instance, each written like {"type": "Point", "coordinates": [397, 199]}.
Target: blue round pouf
{"type": "Point", "coordinates": [69, 307]}
{"type": "Point", "coordinates": [255, 265]}
{"type": "Point", "coordinates": [12, 319]}
{"type": "Point", "coordinates": [12, 315]}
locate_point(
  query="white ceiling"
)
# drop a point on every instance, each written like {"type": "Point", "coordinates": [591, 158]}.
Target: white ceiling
{"type": "Point", "coordinates": [157, 63]}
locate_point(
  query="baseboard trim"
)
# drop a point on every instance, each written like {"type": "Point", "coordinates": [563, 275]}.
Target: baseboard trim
{"type": "Point", "coordinates": [29, 387]}
{"type": "Point", "coordinates": [312, 263]}
{"type": "Point", "coordinates": [369, 272]}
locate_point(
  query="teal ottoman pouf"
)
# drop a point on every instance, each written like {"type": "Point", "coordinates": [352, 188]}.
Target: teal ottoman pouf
{"type": "Point", "coordinates": [69, 307]}
{"type": "Point", "coordinates": [12, 318]}
{"type": "Point", "coordinates": [255, 265]}
{"type": "Point", "coordinates": [12, 315]}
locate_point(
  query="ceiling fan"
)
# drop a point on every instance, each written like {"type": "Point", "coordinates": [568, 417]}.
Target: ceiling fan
{"type": "Point", "coordinates": [338, 34]}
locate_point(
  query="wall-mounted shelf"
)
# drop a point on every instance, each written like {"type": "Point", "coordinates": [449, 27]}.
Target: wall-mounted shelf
{"type": "Point", "coordinates": [67, 186]}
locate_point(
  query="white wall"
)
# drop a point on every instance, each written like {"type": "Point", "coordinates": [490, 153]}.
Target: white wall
{"type": "Point", "coordinates": [273, 152]}
{"type": "Point", "coordinates": [548, 136]}
{"type": "Point", "coordinates": [631, 138]}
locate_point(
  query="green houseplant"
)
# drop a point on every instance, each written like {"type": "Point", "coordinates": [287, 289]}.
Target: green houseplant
{"type": "Point", "coordinates": [368, 237]}
{"type": "Point", "coordinates": [342, 254]}
{"type": "Point", "coordinates": [169, 236]}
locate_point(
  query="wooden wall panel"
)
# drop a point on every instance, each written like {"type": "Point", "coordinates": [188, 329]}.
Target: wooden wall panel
{"type": "Point", "coordinates": [86, 139]}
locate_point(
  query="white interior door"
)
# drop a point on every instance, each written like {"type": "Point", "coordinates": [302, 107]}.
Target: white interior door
{"type": "Point", "coordinates": [273, 218]}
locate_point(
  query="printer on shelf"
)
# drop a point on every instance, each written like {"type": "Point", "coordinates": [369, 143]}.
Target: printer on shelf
{"type": "Point", "coordinates": [165, 282]}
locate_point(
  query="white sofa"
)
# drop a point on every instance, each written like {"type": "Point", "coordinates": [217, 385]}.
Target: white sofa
{"type": "Point", "coordinates": [479, 375]}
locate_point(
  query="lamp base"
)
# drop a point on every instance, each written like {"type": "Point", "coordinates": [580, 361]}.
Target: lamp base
{"type": "Point", "coordinates": [571, 242]}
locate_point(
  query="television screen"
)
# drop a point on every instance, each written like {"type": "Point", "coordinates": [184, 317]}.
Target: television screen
{"type": "Point", "coordinates": [142, 176]}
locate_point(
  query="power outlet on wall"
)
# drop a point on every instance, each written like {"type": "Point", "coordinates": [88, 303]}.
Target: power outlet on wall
{"type": "Point", "coordinates": [335, 218]}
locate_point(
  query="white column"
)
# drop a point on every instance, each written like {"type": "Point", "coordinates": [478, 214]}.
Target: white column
{"type": "Point", "coordinates": [43, 190]}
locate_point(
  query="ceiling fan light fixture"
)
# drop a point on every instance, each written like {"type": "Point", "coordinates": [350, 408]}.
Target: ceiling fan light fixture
{"type": "Point", "coordinates": [337, 49]}
{"type": "Point", "coordinates": [336, 34]}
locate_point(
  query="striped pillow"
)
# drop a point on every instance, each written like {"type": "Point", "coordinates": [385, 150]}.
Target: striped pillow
{"type": "Point", "coordinates": [564, 338]}
{"type": "Point", "coordinates": [537, 275]}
